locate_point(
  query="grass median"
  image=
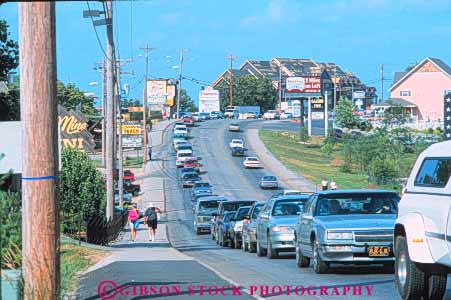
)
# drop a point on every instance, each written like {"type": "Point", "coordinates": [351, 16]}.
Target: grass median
{"type": "Point", "coordinates": [74, 260]}
{"type": "Point", "coordinates": [310, 162]}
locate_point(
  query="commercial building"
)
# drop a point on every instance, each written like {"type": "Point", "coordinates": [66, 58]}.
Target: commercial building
{"type": "Point", "coordinates": [421, 89]}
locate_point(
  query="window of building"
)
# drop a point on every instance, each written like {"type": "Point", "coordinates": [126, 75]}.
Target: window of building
{"type": "Point", "coordinates": [404, 93]}
{"type": "Point", "coordinates": [434, 172]}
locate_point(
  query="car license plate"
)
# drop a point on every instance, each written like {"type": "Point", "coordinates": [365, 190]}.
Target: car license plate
{"type": "Point", "coordinates": [378, 251]}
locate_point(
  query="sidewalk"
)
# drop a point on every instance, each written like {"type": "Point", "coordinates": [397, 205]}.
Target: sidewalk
{"type": "Point", "coordinates": [292, 180]}
{"type": "Point", "coordinates": [143, 269]}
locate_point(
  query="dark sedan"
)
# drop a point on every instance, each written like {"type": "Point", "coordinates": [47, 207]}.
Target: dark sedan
{"type": "Point", "coordinates": [190, 178]}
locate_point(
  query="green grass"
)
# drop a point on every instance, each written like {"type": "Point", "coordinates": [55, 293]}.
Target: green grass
{"type": "Point", "coordinates": [134, 162]}
{"type": "Point", "coordinates": [75, 259]}
{"type": "Point", "coordinates": [310, 162]}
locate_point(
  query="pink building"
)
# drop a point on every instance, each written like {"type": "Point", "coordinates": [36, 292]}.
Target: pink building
{"type": "Point", "coordinates": [422, 88]}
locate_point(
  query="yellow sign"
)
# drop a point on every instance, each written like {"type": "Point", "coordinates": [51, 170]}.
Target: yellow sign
{"type": "Point", "coordinates": [70, 125]}
{"type": "Point", "coordinates": [170, 90]}
{"type": "Point", "coordinates": [136, 109]}
{"type": "Point", "coordinates": [131, 129]}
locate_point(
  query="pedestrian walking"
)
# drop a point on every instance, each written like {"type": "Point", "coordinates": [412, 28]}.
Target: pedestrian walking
{"type": "Point", "coordinates": [151, 219]}
{"type": "Point", "coordinates": [133, 218]}
{"type": "Point", "coordinates": [150, 152]}
{"type": "Point", "coordinates": [333, 185]}
{"type": "Point", "coordinates": [324, 184]}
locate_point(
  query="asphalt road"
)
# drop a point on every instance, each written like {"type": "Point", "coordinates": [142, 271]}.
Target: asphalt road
{"type": "Point", "coordinates": [210, 141]}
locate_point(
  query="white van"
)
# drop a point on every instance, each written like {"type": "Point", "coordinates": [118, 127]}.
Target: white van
{"type": "Point", "coordinates": [422, 239]}
{"type": "Point", "coordinates": [181, 157]}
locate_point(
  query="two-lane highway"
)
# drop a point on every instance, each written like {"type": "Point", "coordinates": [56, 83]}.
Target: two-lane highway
{"type": "Point", "coordinates": [229, 178]}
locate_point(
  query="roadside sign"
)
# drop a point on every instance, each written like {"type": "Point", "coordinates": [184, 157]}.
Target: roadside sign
{"type": "Point", "coordinates": [132, 141]}
{"type": "Point", "coordinates": [305, 84]}
{"type": "Point", "coordinates": [447, 115]}
{"type": "Point", "coordinates": [131, 129]}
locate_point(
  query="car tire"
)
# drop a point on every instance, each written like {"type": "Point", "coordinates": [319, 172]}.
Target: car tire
{"type": "Point", "coordinates": [252, 247]}
{"type": "Point", "coordinates": [245, 245]}
{"type": "Point", "coordinates": [221, 241]}
{"type": "Point", "coordinates": [436, 286]}
{"type": "Point", "coordinates": [236, 244]}
{"type": "Point", "coordinates": [198, 231]}
{"type": "Point", "coordinates": [260, 251]}
{"type": "Point", "coordinates": [301, 260]}
{"type": "Point", "coordinates": [270, 251]}
{"type": "Point", "coordinates": [410, 280]}
{"type": "Point", "coordinates": [319, 266]}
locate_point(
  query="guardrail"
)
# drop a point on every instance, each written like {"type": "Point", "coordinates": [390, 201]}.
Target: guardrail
{"type": "Point", "coordinates": [101, 231]}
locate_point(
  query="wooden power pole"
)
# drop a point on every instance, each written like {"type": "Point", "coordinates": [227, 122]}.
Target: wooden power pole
{"type": "Point", "coordinates": [382, 83]}
{"type": "Point", "coordinates": [40, 193]}
{"type": "Point", "coordinates": [231, 58]}
{"type": "Point", "coordinates": [110, 116]}
{"type": "Point", "coordinates": [146, 75]}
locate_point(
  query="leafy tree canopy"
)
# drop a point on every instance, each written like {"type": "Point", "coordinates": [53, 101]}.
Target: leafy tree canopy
{"type": "Point", "coordinates": [186, 103]}
{"type": "Point", "coordinates": [9, 52]}
{"type": "Point", "coordinates": [70, 96]}
{"type": "Point", "coordinates": [344, 114]}
{"type": "Point", "coordinates": [249, 90]}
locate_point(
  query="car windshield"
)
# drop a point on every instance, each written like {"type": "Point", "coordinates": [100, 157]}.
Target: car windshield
{"type": "Point", "coordinates": [355, 204]}
{"type": "Point", "coordinates": [228, 216]}
{"type": "Point", "coordinates": [127, 173]}
{"type": "Point", "coordinates": [288, 208]}
{"type": "Point", "coordinates": [185, 170]}
{"type": "Point", "coordinates": [207, 207]}
{"type": "Point", "coordinates": [202, 184]}
{"type": "Point", "coordinates": [190, 176]}
{"type": "Point", "coordinates": [269, 178]}
{"type": "Point", "coordinates": [234, 124]}
{"type": "Point", "coordinates": [233, 206]}
{"type": "Point", "coordinates": [190, 162]}
{"type": "Point", "coordinates": [184, 147]}
{"type": "Point", "coordinates": [184, 154]}
{"type": "Point", "coordinates": [256, 211]}
{"type": "Point", "coordinates": [252, 159]}
{"type": "Point", "coordinates": [242, 212]}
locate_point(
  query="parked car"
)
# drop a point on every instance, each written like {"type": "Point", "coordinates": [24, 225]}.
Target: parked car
{"type": "Point", "coordinates": [286, 115]}
{"type": "Point", "coordinates": [276, 224]}
{"type": "Point", "coordinates": [423, 227]}
{"type": "Point", "coordinates": [196, 117]}
{"type": "Point", "coordinates": [185, 151]}
{"type": "Point", "coordinates": [203, 213]}
{"type": "Point", "coordinates": [181, 157]}
{"type": "Point", "coordinates": [204, 116]}
{"type": "Point", "coordinates": [129, 175]}
{"type": "Point", "coordinates": [188, 121]}
{"type": "Point", "coordinates": [231, 112]}
{"type": "Point", "coordinates": [180, 126]}
{"type": "Point", "coordinates": [238, 151]}
{"type": "Point", "coordinates": [249, 115]}
{"type": "Point", "coordinates": [131, 188]}
{"type": "Point", "coordinates": [223, 225]}
{"type": "Point", "coordinates": [236, 226]}
{"type": "Point", "coordinates": [234, 127]}
{"type": "Point", "coordinates": [269, 182]}
{"type": "Point", "coordinates": [126, 198]}
{"type": "Point", "coordinates": [271, 115]}
{"type": "Point", "coordinates": [183, 146]}
{"type": "Point", "coordinates": [216, 115]}
{"type": "Point", "coordinates": [192, 162]}
{"type": "Point", "coordinates": [181, 131]}
{"type": "Point", "coordinates": [189, 178]}
{"type": "Point", "coordinates": [201, 187]}
{"type": "Point", "coordinates": [230, 205]}
{"type": "Point", "coordinates": [251, 162]}
{"type": "Point", "coordinates": [250, 228]}
{"type": "Point", "coordinates": [184, 170]}
{"type": "Point", "coordinates": [236, 143]}
{"type": "Point", "coordinates": [347, 227]}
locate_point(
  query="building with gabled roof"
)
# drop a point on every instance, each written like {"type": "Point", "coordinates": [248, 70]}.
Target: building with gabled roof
{"type": "Point", "coordinates": [424, 86]}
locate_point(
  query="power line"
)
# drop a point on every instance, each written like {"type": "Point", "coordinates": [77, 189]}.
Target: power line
{"type": "Point", "coordinates": [97, 34]}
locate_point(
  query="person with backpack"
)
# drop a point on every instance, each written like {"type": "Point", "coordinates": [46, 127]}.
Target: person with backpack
{"type": "Point", "coordinates": [151, 219]}
{"type": "Point", "coordinates": [133, 218]}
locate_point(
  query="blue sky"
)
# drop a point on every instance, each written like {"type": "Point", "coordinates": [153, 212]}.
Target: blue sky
{"type": "Point", "coordinates": [359, 35]}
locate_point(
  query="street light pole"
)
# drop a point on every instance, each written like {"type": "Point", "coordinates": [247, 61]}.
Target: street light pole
{"type": "Point", "coordinates": [180, 83]}
{"type": "Point", "coordinates": [40, 187]}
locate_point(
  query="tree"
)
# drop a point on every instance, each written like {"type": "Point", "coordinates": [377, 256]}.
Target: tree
{"type": "Point", "coordinates": [70, 96]}
{"type": "Point", "coordinates": [81, 188]}
{"type": "Point", "coordinates": [344, 114]}
{"type": "Point", "coordinates": [10, 104]}
{"type": "Point", "coordinates": [186, 103]}
{"type": "Point", "coordinates": [10, 229]}
{"type": "Point", "coordinates": [9, 52]}
{"type": "Point", "coordinates": [249, 90]}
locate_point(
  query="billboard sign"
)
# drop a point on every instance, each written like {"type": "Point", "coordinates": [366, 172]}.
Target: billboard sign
{"type": "Point", "coordinates": [208, 100]}
{"type": "Point", "coordinates": [304, 84]}
{"type": "Point", "coordinates": [132, 141]}
{"type": "Point", "coordinates": [156, 92]}
{"type": "Point", "coordinates": [170, 91]}
{"type": "Point", "coordinates": [359, 95]}
{"type": "Point", "coordinates": [73, 130]}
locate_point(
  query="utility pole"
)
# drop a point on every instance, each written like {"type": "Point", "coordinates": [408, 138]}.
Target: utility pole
{"type": "Point", "coordinates": [280, 87]}
{"type": "Point", "coordinates": [146, 75]}
{"type": "Point", "coordinates": [335, 85]}
{"type": "Point", "coordinates": [180, 83]}
{"type": "Point", "coordinates": [120, 181]}
{"type": "Point", "coordinates": [231, 58]}
{"type": "Point", "coordinates": [110, 122]}
{"type": "Point", "coordinates": [103, 112]}
{"type": "Point", "coordinates": [382, 83]}
{"type": "Point", "coordinates": [40, 187]}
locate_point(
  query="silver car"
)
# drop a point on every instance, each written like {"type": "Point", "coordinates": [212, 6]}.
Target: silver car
{"type": "Point", "coordinates": [250, 228]}
{"type": "Point", "coordinates": [276, 223]}
{"type": "Point", "coordinates": [347, 227]}
{"type": "Point", "coordinates": [203, 213]}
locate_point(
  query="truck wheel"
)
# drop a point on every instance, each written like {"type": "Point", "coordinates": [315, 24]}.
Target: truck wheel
{"type": "Point", "coordinates": [436, 286]}
{"type": "Point", "coordinates": [319, 266]}
{"type": "Point", "coordinates": [410, 280]}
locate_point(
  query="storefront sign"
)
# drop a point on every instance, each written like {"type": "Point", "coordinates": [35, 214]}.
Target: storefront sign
{"type": "Point", "coordinates": [132, 141]}
{"type": "Point", "coordinates": [73, 130]}
{"type": "Point", "coordinates": [156, 92]}
{"type": "Point", "coordinates": [317, 103]}
{"type": "Point", "coordinates": [131, 129]}
{"type": "Point", "coordinates": [170, 91]}
{"type": "Point", "coordinates": [305, 84]}
{"type": "Point", "coordinates": [135, 109]}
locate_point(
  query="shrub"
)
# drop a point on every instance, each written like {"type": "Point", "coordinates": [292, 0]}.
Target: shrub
{"type": "Point", "coordinates": [385, 171]}
{"type": "Point", "coordinates": [303, 134]}
{"type": "Point", "coordinates": [10, 229]}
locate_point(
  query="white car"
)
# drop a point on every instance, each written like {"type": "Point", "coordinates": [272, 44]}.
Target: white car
{"type": "Point", "coordinates": [181, 157]}
{"type": "Point", "coordinates": [177, 141]}
{"type": "Point", "coordinates": [249, 115]}
{"type": "Point", "coordinates": [236, 143]}
{"type": "Point", "coordinates": [188, 151]}
{"type": "Point", "coordinates": [180, 126]}
{"type": "Point", "coordinates": [181, 131]}
{"type": "Point", "coordinates": [422, 236]}
{"type": "Point", "coordinates": [271, 115]}
{"type": "Point", "coordinates": [251, 162]}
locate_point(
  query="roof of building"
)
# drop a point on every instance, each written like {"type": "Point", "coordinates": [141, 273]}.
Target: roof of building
{"type": "Point", "coordinates": [226, 74]}
{"type": "Point", "coordinates": [395, 102]}
{"type": "Point", "coordinates": [404, 75]}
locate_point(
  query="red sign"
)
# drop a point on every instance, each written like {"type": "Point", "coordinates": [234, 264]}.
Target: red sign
{"type": "Point", "coordinates": [305, 84]}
